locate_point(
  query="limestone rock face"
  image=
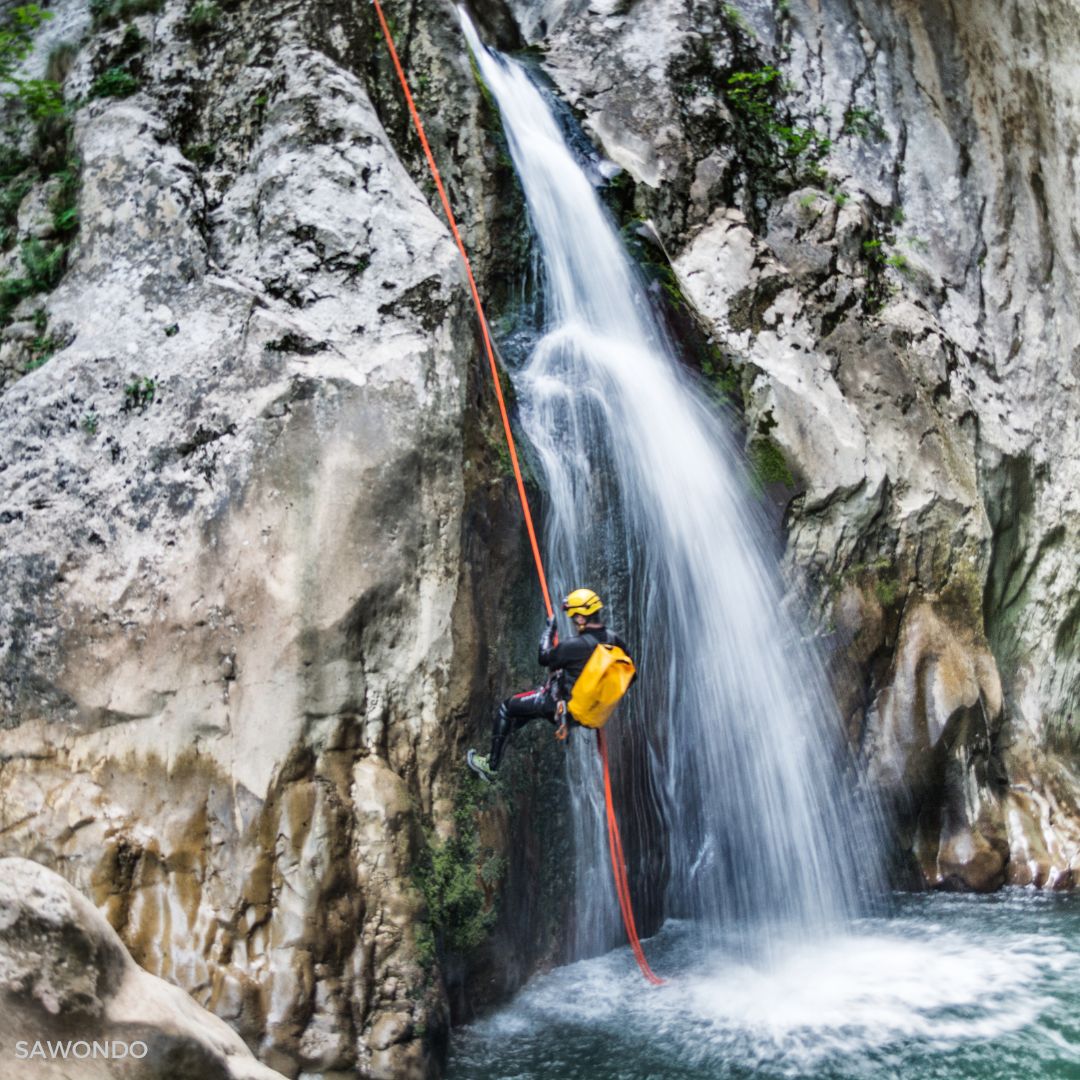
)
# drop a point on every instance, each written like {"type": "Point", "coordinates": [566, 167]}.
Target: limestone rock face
{"type": "Point", "coordinates": [901, 314]}
{"type": "Point", "coordinates": [241, 517]}
{"type": "Point", "coordinates": [250, 507]}
{"type": "Point", "coordinates": [67, 979]}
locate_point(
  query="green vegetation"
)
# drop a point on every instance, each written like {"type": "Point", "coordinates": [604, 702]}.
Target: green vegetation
{"type": "Point", "coordinates": [44, 265]}
{"type": "Point", "coordinates": [111, 12]}
{"type": "Point", "coordinates": [457, 879]}
{"type": "Point", "coordinates": [89, 424]}
{"type": "Point", "coordinates": [139, 393]}
{"type": "Point", "coordinates": [202, 154]}
{"type": "Point", "coordinates": [115, 82]}
{"type": "Point", "coordinates": [721, 378]}
{"type": "Point", "coordinates": [770, 136]}
{"type": "Point", "coordinates": [734, 18]}
{"type": "Point", "coordinates": [42, 350]}
{"type": "Point", "coordinates": [881, 256]}
{"type": "Point", "coordinates": [203, 18]}
{"type": "Point", "coordinates": [887, 590]}
{"type": "Point", "coordinates": [863, 124]}
{"type": "Point", "coordinates": [898, 261]}
{"type": "Point", "coordinates": [38, 102]}
{"type": "Point", "coordinates": [768, 462]}
{"type": "Point", "coordinates": [496, 441]}
{"type": "Point", "coordinates": [38, 98]}
{"type": "Point", "coordinates": [881, 576]}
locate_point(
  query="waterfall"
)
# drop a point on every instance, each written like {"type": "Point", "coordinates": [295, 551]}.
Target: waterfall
{"type": "Point", "coordinates": [649, 503]}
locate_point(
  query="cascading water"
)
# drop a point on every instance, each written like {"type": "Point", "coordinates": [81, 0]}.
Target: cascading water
{"type": "Point", "coordinates": [648, 503]}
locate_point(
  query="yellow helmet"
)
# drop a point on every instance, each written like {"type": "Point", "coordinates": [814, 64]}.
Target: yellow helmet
{"type": "Point", "coordinates": [582, 602]}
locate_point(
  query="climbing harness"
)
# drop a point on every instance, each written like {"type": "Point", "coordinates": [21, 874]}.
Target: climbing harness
{"type": "Point", "coordinates": [618, 861]}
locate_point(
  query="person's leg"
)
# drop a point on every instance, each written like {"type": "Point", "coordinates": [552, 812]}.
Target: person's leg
{"type": "Point", "coordinates": [514, 713]}
{"type": "Point", "coordinates": [511, 714]}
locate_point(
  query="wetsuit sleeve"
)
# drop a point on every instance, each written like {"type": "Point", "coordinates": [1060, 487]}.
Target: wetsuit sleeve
{"type": "Point", "coordinates": [557, 656]}
{"type": "Point", "coordinates": [547, 638]}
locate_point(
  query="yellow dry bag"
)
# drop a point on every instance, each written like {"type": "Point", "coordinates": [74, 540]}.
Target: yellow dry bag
{"type": "Point", "coordinates": [604, 679]}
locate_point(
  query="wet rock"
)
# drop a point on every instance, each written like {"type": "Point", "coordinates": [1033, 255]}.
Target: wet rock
{"type": "Point", "coordinates": [67, 979]}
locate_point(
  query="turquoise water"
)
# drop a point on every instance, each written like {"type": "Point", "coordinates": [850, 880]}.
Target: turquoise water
{"type": "Point", "coordinates": [943, 986]}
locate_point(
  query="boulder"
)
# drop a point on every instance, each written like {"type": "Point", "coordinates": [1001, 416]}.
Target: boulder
{"type": "Point", "coordinates": [76, 1004]}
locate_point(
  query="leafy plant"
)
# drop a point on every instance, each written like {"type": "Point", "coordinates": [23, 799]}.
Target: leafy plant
{"type": "Point", "coordinates": [40, 101]}
{"type": "Point", "coordinates": [887, 590]}
{"type": "Point", "coordinates": [872, 249]}
{"type": "Point", "coordinates": [755, 97]}
{"type": "Point", "coordinates": [898, 261]}
{"type": "Point", "coordinates": [42, 350]}
{"type": "Point", "coordinates": [40, 98]}
{"type": "Point", "coordinates": [203, 17]}
{"type": "Point", "coordinates": [202, 154]}
{"type": "Point", "coordinates": [455, 877]}
{"type": "Point", "coordinates": [44, 263]}
{"type": "Point", "coordinates": [139, 393]}
{"type": "Point", "coordinates": [863, 123]}
{"type": "Point", "coordinates": [66, 220]}
{"type": "Point", "coordinates": [89, 423]}
{"type": "Point", "coordinates": [115, 82]}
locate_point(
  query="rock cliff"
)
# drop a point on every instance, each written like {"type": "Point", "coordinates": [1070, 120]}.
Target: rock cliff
{"type": "Point", "coordinates": [251, 493]}
{"type": "Point", "coordinates": [248, 506]}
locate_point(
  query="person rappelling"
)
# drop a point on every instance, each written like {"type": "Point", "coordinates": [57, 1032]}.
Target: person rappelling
{"type": "Point", "coordinates": [589, 674]}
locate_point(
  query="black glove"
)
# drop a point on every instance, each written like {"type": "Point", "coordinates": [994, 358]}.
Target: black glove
{"type": "Point", "coordinates": [547, 640]}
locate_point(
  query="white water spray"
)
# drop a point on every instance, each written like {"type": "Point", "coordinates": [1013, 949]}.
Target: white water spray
{"type": "Point", "coordinates": [650, 505]}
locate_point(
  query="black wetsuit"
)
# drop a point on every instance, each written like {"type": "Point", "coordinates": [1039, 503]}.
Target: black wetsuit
{"type": "Point", "coordinates": [566, 661]}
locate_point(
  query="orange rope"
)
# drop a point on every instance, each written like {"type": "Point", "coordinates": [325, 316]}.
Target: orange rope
{"type": "Point", "coordinates": [618, 865]}
{"type": "Point", "coordinates": [618, 862]}
{"type": "Point", "coordinates": [479, 308]}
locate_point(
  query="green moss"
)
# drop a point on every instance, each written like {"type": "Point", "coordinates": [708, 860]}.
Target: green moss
{"type": "Point", "coordinates": [887, 590]}
{"type": "Point", "coordinates": [721, 377]}
{"type": "Point", "coordinates": [734, 18]}
{"type": "Point", "coordinates": [881, 576]}
{"type": "Point", "coordinates": [452, 876]}
{"type": "Point", "coordinates": [769, 464]}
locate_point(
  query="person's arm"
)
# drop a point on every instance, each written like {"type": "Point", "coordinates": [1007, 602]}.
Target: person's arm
{"type": "Point", "coordinates": [547, 643]}
{"type": "Point", "coordinates": [554, 656]}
